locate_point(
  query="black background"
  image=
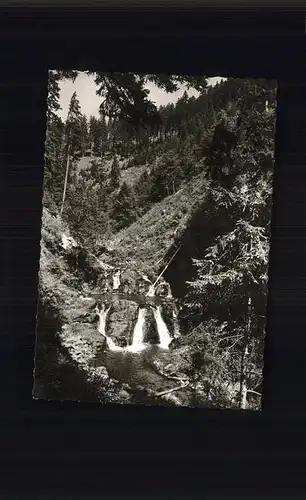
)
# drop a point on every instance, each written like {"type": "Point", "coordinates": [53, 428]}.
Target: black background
{"type": "Point", "coordinates": [85, 447]}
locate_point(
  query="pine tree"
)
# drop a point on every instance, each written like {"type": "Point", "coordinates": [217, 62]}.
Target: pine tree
{"type": "Point", "coordinates": [54, 162]}
{"type": "Point", "coordinates": [97, 132]}
{"type": "Point", "coordinates": [86, 210]}
{"type": "Point", "coordinates": [103, 135]}
{"type": "Point", "coordinates": [231, 279]}
{"type": "Point", "coordinates": [53, 95]}
{"type": "Point", "coordinates": [74, 132]}
{"type": "Point", "coordinates": [54, 144]}
{"type": "Point", "coordinates": [53, 177]}
{"type": "Point", "coordinates": [142, 191]}
{"type": "Point", "coordinates": [74, 139]}
{"type": "Point", "coordinates": [115, 176]}
{"type": "Point", "coordinates": [125, 94]}
{"type": "Point", "coordinates": [158, 183]}
{"type": "Point", "coordinates": [85, 145]}
{"type": "Point", "coordinates": [123, 209]}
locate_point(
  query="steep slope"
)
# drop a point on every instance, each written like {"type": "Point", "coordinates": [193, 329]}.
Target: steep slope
{"type": "Point", "coordinates": [129, 175]}
{"type": "Point", "coordinates": [71, 359]}
{"type": "Point", "coordinates": [146, 243]}
{"type": "Point", "coordinates": [67, 337]}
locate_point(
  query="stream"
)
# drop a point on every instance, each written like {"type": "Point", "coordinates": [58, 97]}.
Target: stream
{"type": "Point", "coordinates": [138, 329]}
{"type": "Point", "coordinates": [138, 339]}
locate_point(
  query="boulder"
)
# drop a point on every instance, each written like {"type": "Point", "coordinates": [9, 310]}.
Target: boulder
{"type": "Point", "coordinates": [121, 321]}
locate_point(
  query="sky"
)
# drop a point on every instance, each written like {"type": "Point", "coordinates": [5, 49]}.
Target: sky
{"type": "Point", "coordinates": [85, 88]}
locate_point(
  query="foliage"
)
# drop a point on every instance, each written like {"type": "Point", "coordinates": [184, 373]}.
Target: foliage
{"type": "Point", "coordinates": [54, 159]}
{"type": "Point", "coordinates": [86, 205]}
{"type": "Point", "coordinates": [125, 96]}
{"type": "Point", "coordinates": [142, 189]}
{"type": "Point", "coordinates": [114, 176]}
{"type": "Point", "coordinates": [123, 207]}
{"type": "Point", "coordinates": [233, 271]}
{"type": "Point", "coordinates": [74, 129]}
{"type": "Point", "coordinates": [214, 365]}
{"type": "Point", "coordinates": [98, 133]}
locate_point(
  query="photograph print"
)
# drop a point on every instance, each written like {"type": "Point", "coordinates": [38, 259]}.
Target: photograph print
{"type": "Point", "coordinates": [155, 240]}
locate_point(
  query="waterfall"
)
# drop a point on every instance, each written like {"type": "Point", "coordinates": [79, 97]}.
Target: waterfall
{"type": "Point", "coordinates": [169, 294]}
{"type": "Point", "coordinates": [138, 343]}
{"type": "Point", "coordinates": [151, 292]}
{"type": "Point", "coordinates": [163, 332]}
{"type": "Point", "coordinates": [102, 313]}
{"type": "Point", "coordinates": [116, 280]}
{"type": "Point", "coordinates": [138, 334]}
{"type": "Point", "coordinates": [145, 278]}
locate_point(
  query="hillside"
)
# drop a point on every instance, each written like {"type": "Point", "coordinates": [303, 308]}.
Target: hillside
{"type": "Point", "coordinates": [68, 356]}
{"type": "Point", "coordinates": [63, 354]}
{"type": "Point", "coordinates": [129, 175]}
{"type": "Point", "coordinates": [146, 243]}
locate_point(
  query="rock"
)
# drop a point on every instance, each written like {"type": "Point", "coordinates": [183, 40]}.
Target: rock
{"type": "Point", "coordinates": [167, 314]}
{"type": "Point", "coordinates": [129, 282]}
{"type": "Point", "coordinates": [150, 334]}
{"type": "Point", "coordinates": [125, 396]}
{"type": "Point", "coordinates": [163, 288]}
{"type": "Point", "coordinates": [121, 321]}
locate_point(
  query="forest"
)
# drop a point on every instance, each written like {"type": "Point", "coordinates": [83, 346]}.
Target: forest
{"type": "Point", "coordinates": [156, 224]}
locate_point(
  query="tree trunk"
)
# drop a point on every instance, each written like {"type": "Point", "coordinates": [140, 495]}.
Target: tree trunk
{"type": "Point", "coordinates": [245, 352]}
{"type": "Point", "coordinates": [243, 386]}
{"type": "Point", "coordinates": [66, 180]}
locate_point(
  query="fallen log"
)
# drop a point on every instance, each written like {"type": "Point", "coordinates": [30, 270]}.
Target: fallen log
{"type": "Point", "coordinates": [169, 391]}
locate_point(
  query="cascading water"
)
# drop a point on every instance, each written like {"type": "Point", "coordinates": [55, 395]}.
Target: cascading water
{"type": "Point", "coordinates": [163, 332]}
{"type": "Point", "coordinates": [116, 280]}
{"type": "Point", "coordinates": [138, 334]}
{"type": "Point", "coordinates": [151, 292]}
{"type": "Point", "coordinates": [102, 313]}
{"type": "Point", "coordinates": [138, 343]}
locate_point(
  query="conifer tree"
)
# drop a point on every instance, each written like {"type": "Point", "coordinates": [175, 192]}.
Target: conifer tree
{"type": "Point", "coordinates": [53, 176]}
{"type": "Point", "coordinates": [125, 94]}
{"type": "Point", "coordinates": [86, 207]}
{"type": "Point", "coordinates": [231, 281]}
{"type": "Point", "coordinates": [114, 177]}
{"type": "Point", "coordinates": [142, 190]}
{"type": "Point", "coordinates": [103, 135]}
{"type": "Point", "coordinates": [85, 144]}
{"type": "Point", "coordinates": [158, 183]}
{"type": "Point", "coordinates": [123, 207]}
{"type": "Point", "coordinates": [53, 95]}
{"type": "Point", "coordinates": [96, 137]}
{"type": "Point", "coordinates": [74, 137]}
{"type": "Point", "coordinates": [74, 132]}
{"type": "Point", "coordinates": [54, 162]}
{"type": "Point", "coordinates": [55, 141]}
